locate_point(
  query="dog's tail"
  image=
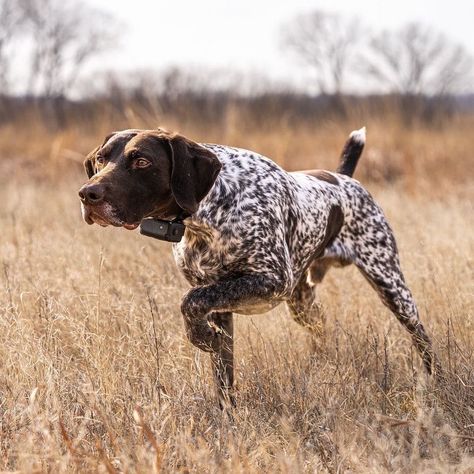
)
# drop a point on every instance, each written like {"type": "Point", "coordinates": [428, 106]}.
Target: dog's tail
{"type": "Point", "coordinates": [351, 152]}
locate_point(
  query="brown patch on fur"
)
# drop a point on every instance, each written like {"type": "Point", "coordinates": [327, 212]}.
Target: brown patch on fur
{"type": "Point", "coordinates": [319, 267]}
{"type": "Point", "coordinates": [335, 221]}
{"type": "Point", "coordinates": [323, 175]}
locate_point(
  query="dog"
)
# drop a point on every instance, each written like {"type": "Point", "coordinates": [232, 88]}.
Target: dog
{"type": "Point", "coordinates": [255, 235]}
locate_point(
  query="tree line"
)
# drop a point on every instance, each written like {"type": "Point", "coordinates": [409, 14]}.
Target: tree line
{"type": "Point", "coordinates": [46, 44]}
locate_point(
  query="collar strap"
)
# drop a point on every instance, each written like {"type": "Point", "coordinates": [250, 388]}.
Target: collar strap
{"type": "Point", "coordinates": [169, 231]}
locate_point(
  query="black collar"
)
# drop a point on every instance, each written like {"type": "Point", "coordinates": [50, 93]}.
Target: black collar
{"type": "Point", "coordinates": [169, 231]}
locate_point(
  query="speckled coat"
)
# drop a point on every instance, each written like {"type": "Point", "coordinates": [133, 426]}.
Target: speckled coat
{"type": "Point", "coordinates": [263, 235]}
{"type": "Point", "coordinates": [255, 235]}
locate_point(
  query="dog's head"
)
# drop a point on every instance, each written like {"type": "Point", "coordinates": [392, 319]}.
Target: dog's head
{"type": "Point", "coordinates": [145, 173]}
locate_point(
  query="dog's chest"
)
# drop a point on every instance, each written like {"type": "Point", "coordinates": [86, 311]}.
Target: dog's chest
{"type": "Point", "coordinates": [204, 261]}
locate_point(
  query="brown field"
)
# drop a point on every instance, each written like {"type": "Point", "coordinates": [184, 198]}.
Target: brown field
{"type": "Point", "coordinates": [97, 376]}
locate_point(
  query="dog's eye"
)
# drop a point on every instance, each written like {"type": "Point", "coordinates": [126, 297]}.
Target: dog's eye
{"type": "Point", "coordinates": [141, 163]}
{"type": "Point", "coordinates": [100, 160]}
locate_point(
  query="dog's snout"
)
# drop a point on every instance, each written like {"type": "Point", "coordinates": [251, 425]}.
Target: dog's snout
{"type": "Point", "coordinates": [92, 193]}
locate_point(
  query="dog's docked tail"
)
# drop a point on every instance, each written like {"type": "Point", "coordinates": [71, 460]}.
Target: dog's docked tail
{"type": "Point", "coordinates": [351, 152]}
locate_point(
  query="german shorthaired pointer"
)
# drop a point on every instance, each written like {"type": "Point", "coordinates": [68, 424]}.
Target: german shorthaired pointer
{"type": "Point", "coordinates": [255, 234]}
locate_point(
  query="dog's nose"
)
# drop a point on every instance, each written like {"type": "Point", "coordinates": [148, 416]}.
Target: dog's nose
{"type": "Point", "coordinates": [92, 193]}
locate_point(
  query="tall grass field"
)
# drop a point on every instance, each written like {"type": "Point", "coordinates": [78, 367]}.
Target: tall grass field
{"type": "Point", "coordinates": [96, 374]}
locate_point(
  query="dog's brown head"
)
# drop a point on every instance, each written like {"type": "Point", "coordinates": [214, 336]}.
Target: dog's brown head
{"type": "Point", "coordinates": [145, 173]}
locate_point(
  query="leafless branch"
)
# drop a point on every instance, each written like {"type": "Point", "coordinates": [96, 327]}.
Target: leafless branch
{"type": "Point", "coordinates": [11, 19]}
{"type": "Point", "coordinates": [327, 43]}
{"type": "Point", "coordinates": [417, 60]}
{"type": "Point", "coordinates": [67, 34]}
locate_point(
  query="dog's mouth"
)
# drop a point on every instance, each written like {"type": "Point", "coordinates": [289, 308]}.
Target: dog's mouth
{"type": "Point", "coordinates": [104, 216]}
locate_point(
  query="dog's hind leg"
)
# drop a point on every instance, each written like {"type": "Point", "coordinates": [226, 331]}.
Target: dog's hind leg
{"type": "Point", "coordinates": [377, 259]}
{"type": "Point", "coordinates": [304, 307]}
{"type": "Point", "coordinates": [303, 304]}
{"type": "Point", "coordinates": [394, 293]}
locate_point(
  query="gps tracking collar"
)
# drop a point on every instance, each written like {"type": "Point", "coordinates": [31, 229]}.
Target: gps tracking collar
{"type": "Point", "coordinates": [169, 231]}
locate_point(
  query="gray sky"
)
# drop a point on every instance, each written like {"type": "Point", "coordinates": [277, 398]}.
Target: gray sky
{"type": "Point", "coordinates": [243, 35]}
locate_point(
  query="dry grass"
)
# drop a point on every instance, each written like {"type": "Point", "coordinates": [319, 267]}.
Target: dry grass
{"type": "Point", "coordinates": [423, 160]}
{"type": "Point", "coordinates": [96, 374]}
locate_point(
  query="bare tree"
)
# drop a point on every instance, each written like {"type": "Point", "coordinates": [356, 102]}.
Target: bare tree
{"type": "Point", "coordinates": [327, 43]}
{"type": "Point", "coordinates": [416, 60]}
{"type": "Point", "coordinates": [11, 18]}
{"type": "Point", "coordinates": [66, 35]}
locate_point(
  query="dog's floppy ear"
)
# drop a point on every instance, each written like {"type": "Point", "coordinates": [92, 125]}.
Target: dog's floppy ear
{"type": "Point", "coordinates": [89, 162]}
{"type": "Point", "coordinates": [194, 170]}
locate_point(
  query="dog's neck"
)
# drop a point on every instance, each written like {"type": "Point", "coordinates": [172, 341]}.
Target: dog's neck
{"type": "Point", "coordinates": [168, 210]}
{"type": "Point", "coordinates": [198, 228]}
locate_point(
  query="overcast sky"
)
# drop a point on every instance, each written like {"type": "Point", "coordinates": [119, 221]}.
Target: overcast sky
{"type": "Point", "coordinates": [243, 35]}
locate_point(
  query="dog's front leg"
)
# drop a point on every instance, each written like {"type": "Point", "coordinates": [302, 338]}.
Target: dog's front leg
{"type": "Point", "coordinates": [207, 312]}
{"type": "Point", "coordinates": [223, 357]}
